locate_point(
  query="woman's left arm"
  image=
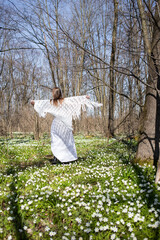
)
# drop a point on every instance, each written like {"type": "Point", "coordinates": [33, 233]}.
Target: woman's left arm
{"type": "Point", "coordinates": [41, 107]}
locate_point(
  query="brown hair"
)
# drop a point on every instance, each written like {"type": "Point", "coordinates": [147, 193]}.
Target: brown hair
{"type": "Point", "coordinates": [57, 96]}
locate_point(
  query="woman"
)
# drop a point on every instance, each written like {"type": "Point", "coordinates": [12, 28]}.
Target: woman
{"type": "Point", "coordinates": [63, 110]}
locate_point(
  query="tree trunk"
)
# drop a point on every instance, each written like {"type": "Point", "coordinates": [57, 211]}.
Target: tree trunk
{"type": "Point", "coordinates": [148, 147]}
{"type": "Point", "coordinates": [112, 76]}
{"type": "Point", "coordinates": [37, 127]}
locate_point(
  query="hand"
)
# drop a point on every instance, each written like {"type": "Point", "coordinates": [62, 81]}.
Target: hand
{"type": "Point", "coordinates": [88, 97]}
{"type": "Point", "coordinates": [32, 102]}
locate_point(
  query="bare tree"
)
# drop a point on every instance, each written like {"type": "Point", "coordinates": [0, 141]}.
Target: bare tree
{"type": "Point", "coordinates": [148, 148]}
{"type": "Point", "coordinates": [112, 73]}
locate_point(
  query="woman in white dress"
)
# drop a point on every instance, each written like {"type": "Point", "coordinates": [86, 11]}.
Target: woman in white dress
{"type": "Point", "coordinates": [63, 110]}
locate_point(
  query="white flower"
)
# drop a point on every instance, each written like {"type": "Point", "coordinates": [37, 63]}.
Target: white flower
{"type": "Point", "coordinates": [107, 210]}
{"type": "Point", "coordinates": [132, 235]}
{"type": "Point", "coordinates": [52, 233]}
{"type": "Point", "coordinates": [73, 238]}
{"type": "Point", "coordinates": [87, 230]}
{"type": "Point", "coordinates": [136, 218]}
{"type": "Point", "coordinates": [100, 202]}
{"type": "Point", "coordinates": [47, 228]}
{"type": "Point", "coordinates": [88, 224]}
{"type": "Point", "coordinates": [155, 225]}
{"type": "Point", "coordinates": [106, 227]}
{"type": "Point", "coordinates": [125, 210]}
{"type": "Point", "coordinates": [22, 207]}
{"type": "Point", "coordinates": [105, 219]}
{"type": "Point", "coordinates": [64, 238]}
{"type": "Point", "coordinates": [79, 220]}
{"type": "Point", "coordinates": [130, 229]}
{"type": "Point", "coordinates": [94, 214]}
{"type": "Point", "coordinates": [25, 227]}
{"type": "Point", "coordinates": [122, 221]}
{"type": "Point", "coordinates": [102, 228]}
{"type": "Point", "coordinates": [66, 234]}
{"type": "Point", "coordinates": [113, 236]}
{"type": "Point", "coordinates": [130, 214]}
{"type": "Point", "coordinates": [96, 229]}
{"type": "Point", "coordinates": [10, 237]}
{"type": "Point", "coordinates": [114, 229]}
{"type": "Point", "coordinates": [128, 224]}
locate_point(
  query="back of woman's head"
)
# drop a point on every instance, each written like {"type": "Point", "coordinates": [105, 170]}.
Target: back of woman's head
{"type": "Point", "coordinates": [57, 95]}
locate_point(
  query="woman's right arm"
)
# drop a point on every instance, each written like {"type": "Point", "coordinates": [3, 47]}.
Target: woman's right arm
{"type": "Point", "coordinates": [41, 107]}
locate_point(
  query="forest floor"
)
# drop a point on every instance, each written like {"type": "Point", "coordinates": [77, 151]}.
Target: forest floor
{"type": "Point", "coordinates": [100, 196]}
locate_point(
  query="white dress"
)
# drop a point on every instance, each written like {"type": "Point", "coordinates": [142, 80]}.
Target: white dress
{"type": "Point", "coordinates": [62, 141]}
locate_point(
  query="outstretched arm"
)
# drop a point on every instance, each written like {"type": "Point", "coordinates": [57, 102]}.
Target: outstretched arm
{"type": "Point", "coordinates": [77, 103]}
{"type": "Point", "coordinates": [41, 106]}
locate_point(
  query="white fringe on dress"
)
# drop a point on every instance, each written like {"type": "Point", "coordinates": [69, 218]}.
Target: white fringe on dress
{"type": "Point", "coordinates": [62, 141]}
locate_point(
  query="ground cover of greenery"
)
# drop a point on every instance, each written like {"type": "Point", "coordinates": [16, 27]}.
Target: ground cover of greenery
{"type": "Point", "coordinates": [100, 196]}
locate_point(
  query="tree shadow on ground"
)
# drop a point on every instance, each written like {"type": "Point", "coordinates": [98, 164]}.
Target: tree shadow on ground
{"type": "Point", "coordinates": [147, 177]}
{"type": "Point", "coordinates": [18, 221]}
{"type": "Point", "coordinates": [142, 178]}
{"type": "Point", "coordinates": [22, 166]}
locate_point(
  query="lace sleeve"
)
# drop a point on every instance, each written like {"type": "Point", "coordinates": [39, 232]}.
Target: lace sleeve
{"type": "Point", "coordinates": [41, 107]}
{"type": "Point", "coordinates": [81, 102]}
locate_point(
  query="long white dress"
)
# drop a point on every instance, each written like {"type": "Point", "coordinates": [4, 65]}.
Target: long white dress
{"type": "Point", "coordinates": [62, 141]}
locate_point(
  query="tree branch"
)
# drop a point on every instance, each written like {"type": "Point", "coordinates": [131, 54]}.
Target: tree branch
{"type": "Point", "coordinates": [121, 94]}
{"type": "Point", "coordinates": [10, 29]}
{"type": "Point", "coordinates": [20, 48]}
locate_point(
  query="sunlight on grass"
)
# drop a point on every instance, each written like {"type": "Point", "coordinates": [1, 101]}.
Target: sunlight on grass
{"type": "Point", "coordinates": [100, 196]}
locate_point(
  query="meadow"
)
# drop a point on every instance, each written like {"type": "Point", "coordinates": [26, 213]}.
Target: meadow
{"type": "Point", "coordinates": [100, 196]}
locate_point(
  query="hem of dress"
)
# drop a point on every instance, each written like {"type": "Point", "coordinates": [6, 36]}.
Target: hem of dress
{"type": "Point", "coordinates": [62, 161]}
